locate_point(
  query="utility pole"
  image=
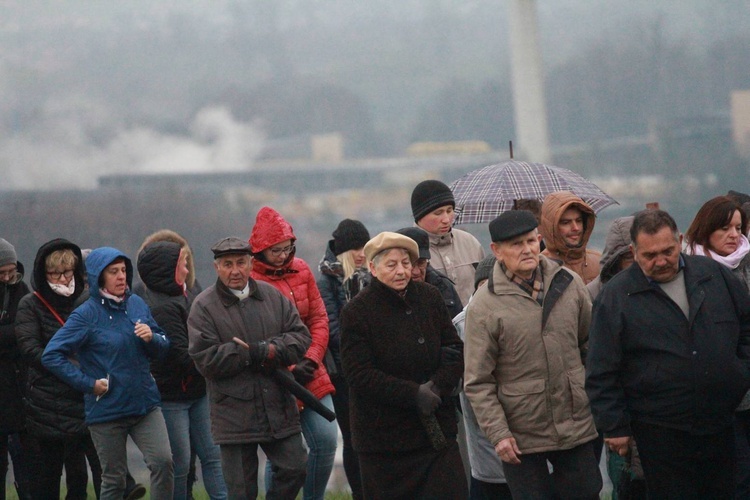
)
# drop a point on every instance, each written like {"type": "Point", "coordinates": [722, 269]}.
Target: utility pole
{"type": "Point", "coordinates": [529, 106]}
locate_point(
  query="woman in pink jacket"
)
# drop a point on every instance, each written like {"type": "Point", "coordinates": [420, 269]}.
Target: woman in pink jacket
{"type": "Point", "coordinates": [272, 244]}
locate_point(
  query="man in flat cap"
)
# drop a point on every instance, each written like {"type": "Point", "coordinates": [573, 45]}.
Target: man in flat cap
{"type": "Point", "coordinates": [402, 358]}
{"type": "Point", "coordinates": [526, 331]}
{"type": "Point", "coordinates": [241, 331]}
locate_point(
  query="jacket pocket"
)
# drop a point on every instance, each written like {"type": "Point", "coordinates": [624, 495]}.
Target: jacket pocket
{"type": "Point", "coordinates": [525, 404]}
{"type": "Point", "coordinates": [579, 400]}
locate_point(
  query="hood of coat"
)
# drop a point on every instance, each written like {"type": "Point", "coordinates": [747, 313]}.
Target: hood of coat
{"type": "Point", "coordinates": [157, 265]}
{"type": "Point", "coordinates": [39, 275]}
{"type": "Point", "coordinates": [615, 245]}
{"type": "Point", "coordinates": [270, 228]}
{"type": "Point", "coordinates": [169, 235]}
{"type": "Point", "coordinates": [97, 262]}
{"type": "Point", "coordinates": [553, 207]}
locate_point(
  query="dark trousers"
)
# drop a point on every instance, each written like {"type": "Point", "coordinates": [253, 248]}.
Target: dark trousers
{"type": "Point", "coordinates": [482, 490]}
{"type": "Point", "coordinates": [12, 443]}
{"type": "Point", "coordinates": [742, 446]}
{"type": "Point", "coordinates": [351, 461]}
{"type": "Point", "coordinates": [46, 457]}
{"type": "Point", "coordinates": [680, 465]}
{"type": "Point", "coordinates": [239, 463]}
{"type": "Point", "coordinates": [575, 475]}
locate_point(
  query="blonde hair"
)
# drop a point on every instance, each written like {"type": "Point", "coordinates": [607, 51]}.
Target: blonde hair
{"type": "Point", "coordinates": [65, 258]}
{"type": "Point", "coordinates": [347, 263]}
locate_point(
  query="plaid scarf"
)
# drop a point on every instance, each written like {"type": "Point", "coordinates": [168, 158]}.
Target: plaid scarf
{"type": "Point", "coordinates": [533, 286]}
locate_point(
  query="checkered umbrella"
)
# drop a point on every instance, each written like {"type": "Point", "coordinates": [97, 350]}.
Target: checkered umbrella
{"type": "Point", "coordinates": [483, 194]}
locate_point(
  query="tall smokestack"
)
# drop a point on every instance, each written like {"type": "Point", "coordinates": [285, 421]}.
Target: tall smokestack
{"type": "Point", "coordinates": [530, 110]}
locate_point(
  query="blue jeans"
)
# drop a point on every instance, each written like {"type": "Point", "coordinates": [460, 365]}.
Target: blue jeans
{"type": "Point", "coordinates": [149, 433]}
{"type": "Point", "coordinates": [188, 424]}
{"type": "Point", "coordinates": [321, 437]}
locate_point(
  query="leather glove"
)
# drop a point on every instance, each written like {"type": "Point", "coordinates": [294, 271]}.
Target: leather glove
{"type": "Point", "coordinates": [304, 370]}
{"type": "Point", "coordinates": [271, 361]}
{"type": "Point", "coordinates": [427, 400]}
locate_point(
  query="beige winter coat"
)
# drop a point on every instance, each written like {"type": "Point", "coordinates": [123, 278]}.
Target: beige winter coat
{"type": "Point", "coordinates": [583, 261]}
{"type": "Point", "coordinates": [456, 254]}
{"type": "Point", "coordinates": [522, 381]}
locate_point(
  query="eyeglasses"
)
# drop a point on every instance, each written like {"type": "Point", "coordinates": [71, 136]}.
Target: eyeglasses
{"type": "Point", "coordinates": [278, 251]}
{"type": "Point", "coordinates": [58, 275]}
{"type": "Point", "coordinates": [9, 273]}
{"type": "Point", "coordinates": [422, 263]}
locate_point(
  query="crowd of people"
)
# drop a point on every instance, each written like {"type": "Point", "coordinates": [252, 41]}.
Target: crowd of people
{"type": "Point", "coordinates": [450, 370]}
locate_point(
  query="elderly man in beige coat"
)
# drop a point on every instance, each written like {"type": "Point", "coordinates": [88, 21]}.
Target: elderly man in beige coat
{"type": "Point", "coordinates": [526, 331]}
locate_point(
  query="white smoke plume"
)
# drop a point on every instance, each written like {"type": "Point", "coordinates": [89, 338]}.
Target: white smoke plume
{"type": "Point", "coordinates": [64, 152]}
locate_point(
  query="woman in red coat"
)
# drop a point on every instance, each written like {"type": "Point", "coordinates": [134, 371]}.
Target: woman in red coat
{"type": "Point", "coordinates": [272, 243]}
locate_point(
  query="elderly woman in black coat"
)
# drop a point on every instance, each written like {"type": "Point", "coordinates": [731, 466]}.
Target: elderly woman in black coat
{"type": "Point", "coordinates": [403, 358]}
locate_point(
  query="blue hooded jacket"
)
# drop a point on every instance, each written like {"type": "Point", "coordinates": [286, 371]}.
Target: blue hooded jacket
{"type": "Point", "coordinates": [100, 336]}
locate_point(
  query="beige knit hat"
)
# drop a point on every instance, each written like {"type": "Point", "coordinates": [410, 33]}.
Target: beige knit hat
{"type": "Point", "coordinates": [386, 240]}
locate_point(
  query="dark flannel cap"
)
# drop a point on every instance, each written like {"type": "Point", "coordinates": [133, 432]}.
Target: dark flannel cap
{"type": "Point", "coordinates": [511, 224]}
{"type": "Point", "coordinates": [428, 196]}
{"type": "Point", "coordinates": [421, 237]}
{"type": "Point", "coordinates": [350, 234]}
{"type": "Point", "coordinates": [230, 245]}
{"type": "Point", "coordinates": [484, 270]}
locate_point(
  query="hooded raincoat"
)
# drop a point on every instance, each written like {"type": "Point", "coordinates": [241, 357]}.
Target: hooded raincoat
{"type": "Point", "coordinates": [579, 259]}
{"type": "Point", "coordinates": [295, 281]}
{"type": "Point", "coordinates": [100, 335]}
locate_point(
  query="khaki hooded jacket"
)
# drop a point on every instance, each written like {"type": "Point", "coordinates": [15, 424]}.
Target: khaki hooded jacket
{"type": "Point", "coordinates": [580, 259]}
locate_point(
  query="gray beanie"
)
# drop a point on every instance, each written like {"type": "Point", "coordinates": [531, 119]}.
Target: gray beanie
{"type": "Point", "coordinates": [7, 253]}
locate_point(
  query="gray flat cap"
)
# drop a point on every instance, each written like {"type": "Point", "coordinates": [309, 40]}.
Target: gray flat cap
{"type": "Point", "coordinates": [229, 246]}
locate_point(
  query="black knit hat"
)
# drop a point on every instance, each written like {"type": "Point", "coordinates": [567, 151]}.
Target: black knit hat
{"type": "Point", "coordinates": [421, 237]}
{"type": "Point", "coordinates": [429, 195]}
{"type": "Point", "coordinates": [350, 234]}
{"type": "Point", "coordinates": [508, 225]}
{"type": "Point", "coordinates": [484, 270]}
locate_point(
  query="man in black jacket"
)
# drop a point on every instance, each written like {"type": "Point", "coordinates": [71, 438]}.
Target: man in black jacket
{"type": "Point", "coordinates": [669, 361]}
{"type": "Point", "coordinates": [423, 271]}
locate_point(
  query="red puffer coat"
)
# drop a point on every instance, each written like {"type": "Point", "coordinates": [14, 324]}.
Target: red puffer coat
{"type": "Point", "coordinates": [296, 281]}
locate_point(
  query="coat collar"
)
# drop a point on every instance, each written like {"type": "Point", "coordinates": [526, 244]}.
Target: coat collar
{"type": "Point", "coordinates": [441, 240]}
{"type": "Point", "coordinates": [228, 298]}
{"type": "Point", "coordinates": [694, 275]}
{"type": "Point", "coordinates": [504, 286]}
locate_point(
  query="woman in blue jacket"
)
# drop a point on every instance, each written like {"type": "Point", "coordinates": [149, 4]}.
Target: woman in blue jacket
{"type": "Point", "coordinates": [113, 337]}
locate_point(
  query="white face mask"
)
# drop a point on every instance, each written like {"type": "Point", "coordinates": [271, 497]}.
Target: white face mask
{"type": "Point", "coordinates": [65, 291]}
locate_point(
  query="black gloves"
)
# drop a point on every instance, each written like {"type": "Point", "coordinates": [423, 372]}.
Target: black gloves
{"type": "Point", "coordinates": [263, 356]}
{"type": "Point", "coordinates": [304, 370]}
{"type": "Point", "coordinates": [427, 399]}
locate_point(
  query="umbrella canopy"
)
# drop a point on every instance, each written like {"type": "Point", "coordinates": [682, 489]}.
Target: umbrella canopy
{"type": "Point", "coordinates": [483, 194]}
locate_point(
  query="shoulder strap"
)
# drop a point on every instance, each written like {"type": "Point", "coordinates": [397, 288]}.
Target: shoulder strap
{"type": "Point", "coordinates": [51, 309]}
{"type": "Point", "coordinates": [559, 284]}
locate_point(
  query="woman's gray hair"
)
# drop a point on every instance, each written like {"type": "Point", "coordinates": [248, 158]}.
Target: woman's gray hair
{"type": "Point", "coordinates": [378, 256]}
